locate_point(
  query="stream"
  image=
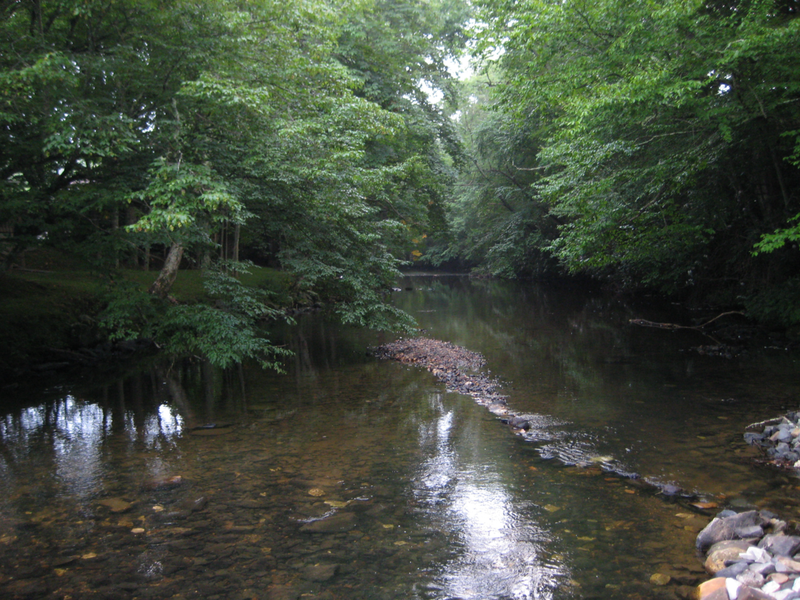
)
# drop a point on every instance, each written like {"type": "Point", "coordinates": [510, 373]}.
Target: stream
{"type": "Point", "coordinates": [350, 477]}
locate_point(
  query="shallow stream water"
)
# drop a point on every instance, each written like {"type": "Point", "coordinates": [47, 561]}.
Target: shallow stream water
{"type": "Point", "coordinates": [350, 477]}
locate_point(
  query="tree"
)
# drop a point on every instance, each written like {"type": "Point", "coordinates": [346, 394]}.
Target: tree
{"type": "Point", "coordinates": [401, 52]}
{"type": "Point", "coordinates": [669, 129]}
{"type": "Point", "coordinates": [499, 224]}
{"type": "Point", "coordinates": [130, 125]}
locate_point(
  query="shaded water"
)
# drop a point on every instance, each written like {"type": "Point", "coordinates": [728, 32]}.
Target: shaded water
{"type": "Point", "coordinates": [354, 478]}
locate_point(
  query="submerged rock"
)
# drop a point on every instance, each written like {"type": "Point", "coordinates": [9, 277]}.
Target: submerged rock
{"type": "Point", "coordinates": [339, 522]}
{"type": "Point", "coordinates": [116, 505]}
{"type": "Point", "coordinates": [320, 573]}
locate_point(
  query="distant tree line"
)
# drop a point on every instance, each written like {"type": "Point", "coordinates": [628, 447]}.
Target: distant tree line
{"type": "Point", "coordinates": [652, 145]}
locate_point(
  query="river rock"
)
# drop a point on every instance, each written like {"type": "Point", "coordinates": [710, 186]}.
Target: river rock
{"type": "Point", "coordinates": [727, 528]}
{"type": "Point", "coordinates": [282, 592]}
{"type": "Point", "coordinates": [344, 521]}
{"type": "Point", "coordinates": [713, 589]}
{"type": "Point", "coordinates": [748, 593]}
{"type": "Point", "coordinates": [765, 568]}
{"type": "Point", "coordinates": [116, 505]}
{"type": "Point", "coordinates": [780, 545]}
{"type": "Point", "coordinates": [751, 579]}
{"type": "Point", "coordinates": [733, 570]}
{"type": "Point", "coordinates": [722, 552]}
{"type": "Point", "coordinates": [784, 564]}
{"type": "Point", "coordinates": [660, 579]}
{"type": "Point", "coordinates": [778, 439]}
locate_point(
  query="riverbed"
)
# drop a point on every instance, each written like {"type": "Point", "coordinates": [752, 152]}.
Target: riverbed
{"type": "Point", "coordinates": [351, 477]}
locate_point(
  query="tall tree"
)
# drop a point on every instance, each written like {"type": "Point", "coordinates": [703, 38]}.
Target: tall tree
{"type": "Point", "coordinates": [670, 129]}
{"type": "Point", "coordinates": [187, 119]}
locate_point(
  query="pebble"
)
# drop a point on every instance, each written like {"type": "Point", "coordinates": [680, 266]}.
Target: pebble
{"type": "Point", "coordinates": [778, 439]}
{"type": "Point", "coordinates": [756, 568]}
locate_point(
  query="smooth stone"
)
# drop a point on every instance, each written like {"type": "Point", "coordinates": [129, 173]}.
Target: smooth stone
{"type": "Point", "coordinates": [780, 578]}
{"type": "Point", "coordinates": [282, 592]}
{"type": "Point", "coordinates": [320, 573]}
{"type": "Point", "coordinates": [659, 579]}
{"type": "Point", "coordinates": [705, 590]}
{"type": "Point", "coordinates": [721, 552]}
{"type": "Point", "coordinates": [116, 505]}
{"type": "Point", "coordinates": [780, 545]}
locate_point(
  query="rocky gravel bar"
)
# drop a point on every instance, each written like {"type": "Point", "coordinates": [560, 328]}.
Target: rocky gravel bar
{"type": "Point", "coordinates": [778, 439]}
{"type": "Point", "coordinates": [751, 555]}
{"type": "Point", "coordinates": [458, 368]}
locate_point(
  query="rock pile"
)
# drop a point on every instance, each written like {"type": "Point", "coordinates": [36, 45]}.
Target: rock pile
{"type": "Point", "coordinates": [778, 438]}
{"type": "Point", "coordinates": [457, 367]}
{"type": "Point", "coordinates": [751, 555]}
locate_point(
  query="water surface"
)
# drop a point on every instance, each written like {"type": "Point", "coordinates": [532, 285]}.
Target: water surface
{"type": "Point", "coordinates": [349, 477]}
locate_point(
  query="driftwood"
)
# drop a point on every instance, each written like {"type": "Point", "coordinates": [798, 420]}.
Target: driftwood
{"type": "Point", "coordinates": [762, 424]}
{"type": "Point", "coordinates": [671, 326]}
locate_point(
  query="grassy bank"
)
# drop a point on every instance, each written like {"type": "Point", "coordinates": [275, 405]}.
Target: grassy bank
{"type": "Point", "coordinates": [59, 309]}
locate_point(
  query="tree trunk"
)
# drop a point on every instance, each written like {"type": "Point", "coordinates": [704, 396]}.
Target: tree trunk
{"type": "Point", "coordinates": [115, 229]}
{"type": "Point", "coordinates": [236, 236]}
{"type": "Point", "coordinates": [163, 283]}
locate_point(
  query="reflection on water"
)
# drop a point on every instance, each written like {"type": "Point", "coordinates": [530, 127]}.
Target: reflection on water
{"type": "Point", "coordinates": [353, 478]}
{"type": "Point", "coordinates": [500, 551]}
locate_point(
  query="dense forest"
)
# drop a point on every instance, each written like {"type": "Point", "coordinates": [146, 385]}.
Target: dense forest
{"type": "Point", "coordinates": [648, 145]}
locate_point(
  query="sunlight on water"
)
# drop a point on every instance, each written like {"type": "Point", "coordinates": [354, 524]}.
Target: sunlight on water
{"type": "Point", "coordinates": [500, 554]}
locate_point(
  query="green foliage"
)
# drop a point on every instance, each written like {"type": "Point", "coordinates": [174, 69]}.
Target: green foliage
{"type": "Point", "coordinates": [499, 223]}
{"type": "Point", "coordinates": [223, 327]}
{"type": "Point", "coordinates": [777, 305]}
{"type": "Point", "coordinates": [772, 241]}
{"type": "Point", "coordinates": [297, 134]}
{"type": "Point", "coordinates": [667, 133]}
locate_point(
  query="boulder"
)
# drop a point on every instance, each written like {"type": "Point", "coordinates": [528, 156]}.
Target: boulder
{"type": "Point", "coordinates": [727, 528]}
{"type": "Point", "coordinates": [780, 545]}
{"type": "Point", "coordinates": [713, 589]}
{"type": "Point", "coordinates": [723, 552]}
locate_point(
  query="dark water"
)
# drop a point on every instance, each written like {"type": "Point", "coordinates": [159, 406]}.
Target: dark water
{"type": "Point", "coordinates": [353, 478]}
